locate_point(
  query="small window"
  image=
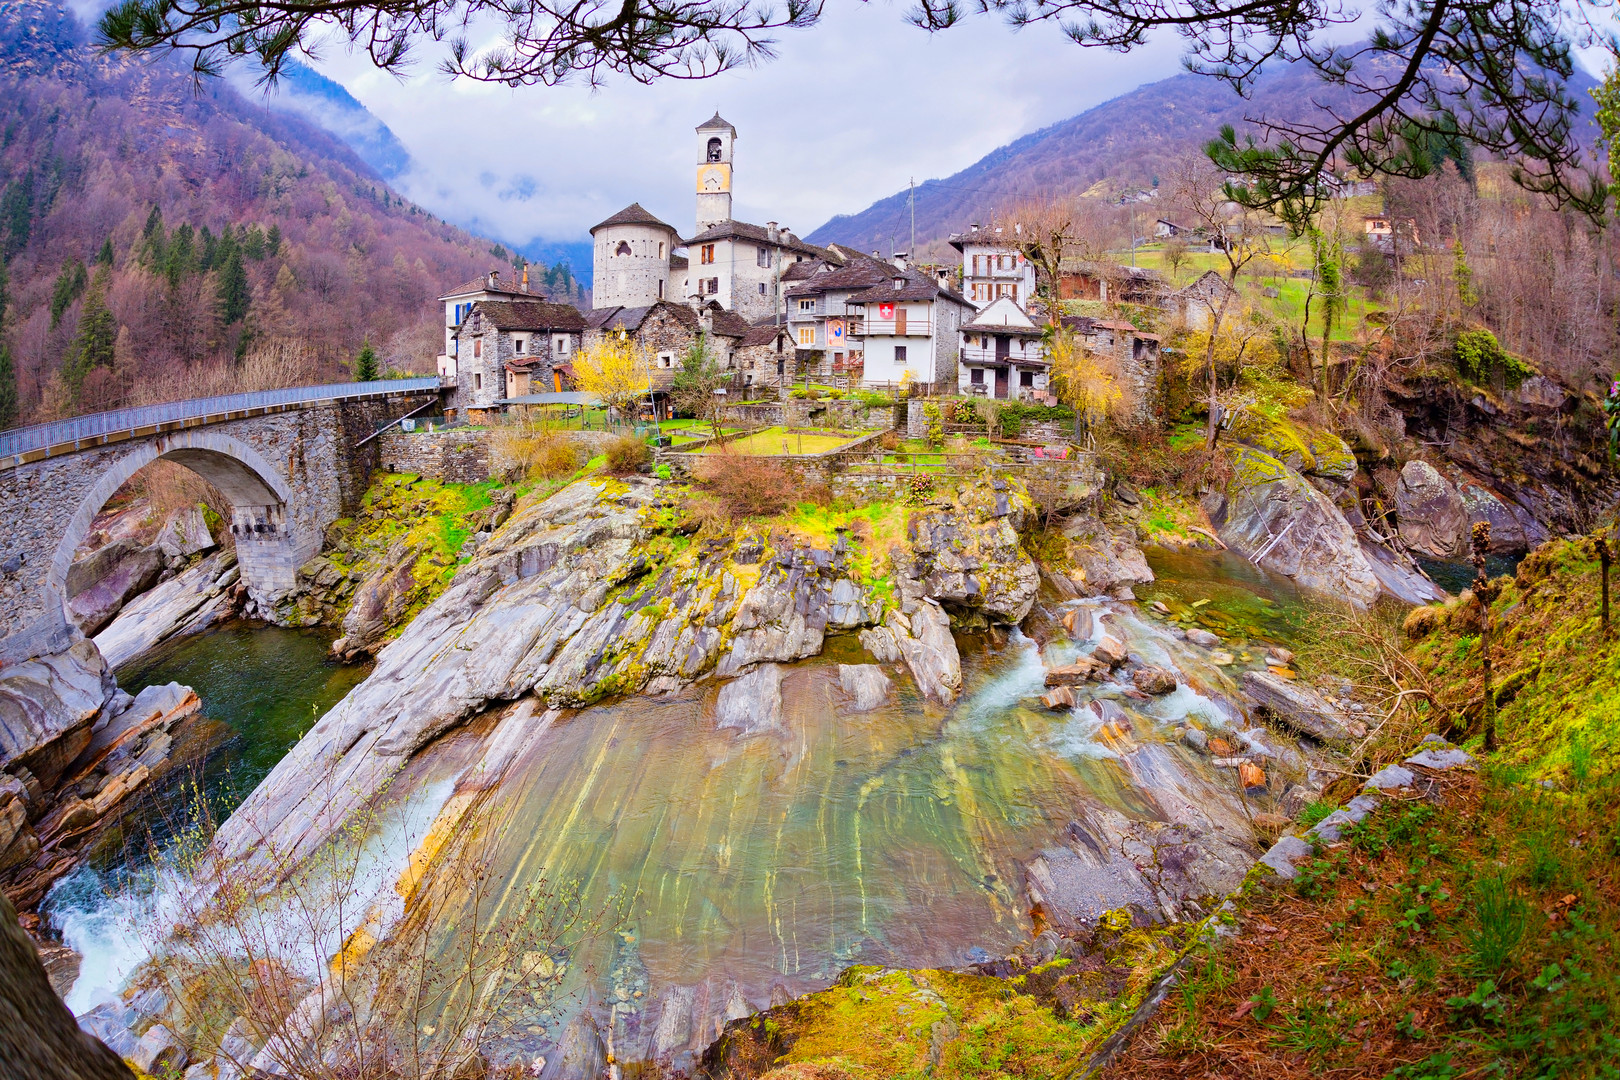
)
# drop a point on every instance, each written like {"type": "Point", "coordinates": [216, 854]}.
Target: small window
{"type": "Point", "coordinates": [899, 282]}
{"type": "Point", "coordinates": [713, 286]}
{"type": "Point", "coordinates": [478, 346]}
{"type": "Point", "coordinates": [763, 257]}
{"type": "Point", "coordinates": [807, 305]}
{"type": "Point", "coordinates": [666, 359]}
{"type": "Point", "coordinates": [562, 345]}
{"type": "Point", "coordinates": [976, 376]}
{"type": "Point", "coordinates": [762, 288]}
{"type": "Point", "coordinates": [807, 335]}
{"type": "Point", "coordinates": [623, 248]}
{"type": "Point", "coordinates": [1026, 378]}
{"type": "Point", "coordinates": [517, 346]}
{"type": "Point", "coordinates": [899, 354]}
{"type": "Point", "coordinates": [706, 254]}
{"type": "Point", "coordinates": [478, 381]}
{"type": "Point", "coordinates": [660, 249]}
{"type": "Point", "coordinates": [660, 288]}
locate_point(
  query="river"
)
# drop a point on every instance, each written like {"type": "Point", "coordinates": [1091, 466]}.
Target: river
{"type": "Point", "coordinates": [757, 867]}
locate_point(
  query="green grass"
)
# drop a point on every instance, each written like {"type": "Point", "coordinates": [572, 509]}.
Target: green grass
{"type": "Point", "coordinates": [780, 440]}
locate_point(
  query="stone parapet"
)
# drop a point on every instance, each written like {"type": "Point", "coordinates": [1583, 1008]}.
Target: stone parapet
{"type": "Point", "coordinates": [457, 456]}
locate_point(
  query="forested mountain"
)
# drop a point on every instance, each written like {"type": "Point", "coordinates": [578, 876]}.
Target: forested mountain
{"type": "Point", "coordinates": [164, 239]}
{"type": "Point", "coordinates": [1121, 146]}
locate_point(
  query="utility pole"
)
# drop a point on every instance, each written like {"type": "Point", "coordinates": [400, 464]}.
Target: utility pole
{"type": "Point", "coordinates": [912, 199]}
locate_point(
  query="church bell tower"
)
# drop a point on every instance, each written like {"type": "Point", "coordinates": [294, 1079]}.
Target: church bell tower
{"type": "Point", "coordinates": [715, 140]}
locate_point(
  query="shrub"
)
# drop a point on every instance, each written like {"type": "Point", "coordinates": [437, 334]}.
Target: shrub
{"type": "Point", "coordinates": [519, 452]}
{"type": "Point", "coordinates": [1481, 358]}
{"type": "Point", "coordinates": [627, 454]}
{"type": "Point", "coordinates": [757, 487]}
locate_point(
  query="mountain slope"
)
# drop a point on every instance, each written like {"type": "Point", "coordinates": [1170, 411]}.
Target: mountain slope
{"type": "Point", "coordinates": [205, 226]}
{"type": "Point", "coordinates": [1121, 144]}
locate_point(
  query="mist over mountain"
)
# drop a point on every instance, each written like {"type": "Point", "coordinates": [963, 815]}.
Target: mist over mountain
{"type": "Point", "coordinates": [1118, 147]}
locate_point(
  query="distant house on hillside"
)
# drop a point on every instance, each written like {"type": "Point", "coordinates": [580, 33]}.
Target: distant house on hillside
{"type": "Point", "coordinates": [1110, 283]}
{"type": "Point", "coordinates": [1003, 355]}
{"type": "Point", "coordinates": [1164, 230]}
{"type": "Point", "coordinates": [1382, 231]}
{"type": "Point", "coordinates": [993, 267]}
{"type": "Point", "coordinates": [460, 300]}
{"type": "Point", "coordinates": [507, 349]}
{"type": "Point", "coordinates": [1194, 305]}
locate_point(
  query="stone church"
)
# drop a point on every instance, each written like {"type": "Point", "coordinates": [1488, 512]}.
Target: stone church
{"type": "Point", "coordinates": [640, 260]}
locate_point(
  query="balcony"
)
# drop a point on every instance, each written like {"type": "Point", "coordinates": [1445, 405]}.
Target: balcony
{"type": "Point", "coordinates": [886, 328]}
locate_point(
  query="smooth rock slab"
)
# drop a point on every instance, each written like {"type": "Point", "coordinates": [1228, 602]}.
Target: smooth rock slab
{"type": "Point", "coordinates": [159, 1052]}
{"type": "Point", "coordinates": [1441, 760]}
{"type": "Point", "coordinates": [866, 683]}
{"type": "Point", "coordinates": [1286, 852]}
{"type": "Point", "coordinates": [752, 703]}
{"type": "Point", "coordinates": [1296, 706]}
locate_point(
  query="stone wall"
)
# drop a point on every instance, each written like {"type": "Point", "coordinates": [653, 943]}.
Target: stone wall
{"type": "Point", "coordinates": [459, 456]}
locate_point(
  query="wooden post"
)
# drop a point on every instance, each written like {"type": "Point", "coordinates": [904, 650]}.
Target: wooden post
{"type": "Point", "coordinates": [1604, 558]}
{"type": "Point", "coordinates": [1484, 593]}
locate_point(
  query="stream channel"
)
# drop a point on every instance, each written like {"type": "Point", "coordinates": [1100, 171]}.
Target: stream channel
{"type": "Point", "coordinates": [760, 867]}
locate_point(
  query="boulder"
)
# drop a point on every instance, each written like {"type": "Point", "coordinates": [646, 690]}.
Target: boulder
{"type": "Point", "coordinates": [1513, 529]}
{"type": "Point", "coordinates": [1429, 512]}
{"type": "Point", "coordinates": [1204, 639]}
{"type": "Point", "coordinates": [1275, 517]}
{"type": "Point", "coordinates": [969, 558]}
{"type": "Point", "coordinates": [581, 1055]}
{"type": "Point", "coordinates": [1059, 697]}
{"type": "Point", "coordinates": [1154, 680]}
{"type": "Point", "coordinates": [930, 652]}
{"type": "Point", "coordinates": [47, 706]}
{"type": "Point", "coordinates": [866, 684]}
{"type": "Point", "coordinates": [182, 604]}
{"type": "Point", "coordinates": [1398, 575]}
{"type": "Point", "coordinates": [381, 600]}
{"type": "Point", "coordinates": [1109, 651]}
{"type": "Point", "coordinates": [1074, 674]}
{"type": "Point", "coordinates": [1105, 561]}
{"type": "Point", "coordinates": [104, 581]}
{"type": "Point", "coordinates": [184, 534]}
{"type": "Point", "coordinates": [752, 703]}
{"type": "Point", "coordinates": [1295, 706]}
{"type": "Point", "coordinates": [880, 642]}
{"type": "Point", "coordinates": [159, 1052]}
{"type": "Point", "coordinates": [1077, 623]}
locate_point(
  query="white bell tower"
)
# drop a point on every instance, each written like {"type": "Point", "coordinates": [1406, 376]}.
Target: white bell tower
{"type": "Point", "coordinates": [715, 139]}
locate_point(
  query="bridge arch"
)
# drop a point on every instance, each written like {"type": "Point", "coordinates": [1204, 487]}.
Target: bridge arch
{"type": "Point", "coordinates": [259, 497]}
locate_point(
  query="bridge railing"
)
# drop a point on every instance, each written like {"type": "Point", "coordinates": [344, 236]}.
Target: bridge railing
{"type": "Point", "coordinates": [61, 436]}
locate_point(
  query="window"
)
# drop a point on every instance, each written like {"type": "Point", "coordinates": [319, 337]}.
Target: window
{"type": "Point", "coordinates": [807, 335]}
{"type": "Point", "coordinates": [976, 376]}
{"type": "Point", "coordinates": [660, 288]}
{"type": "Point", "coordinates": [517, 346]}
{"type": "Point", "coordinates": [807, 305]}
{"type": "Point", "coordinates": [660, 249]}
{"type": "Point", "coordinates": [1006, 290]}
{"type": "Point", "coordinates": [478, 381]}
{"type": "Point", "coordinates": [1026, 378]}
{"type": "Point", "coordinates": [712, 286]}
{"type": "Point", "coordinates": [763, 257]}
{"type": "Point", "coordinates": [623, 248]}
{"type": "Point", "coordinates": [478, 346]}
{"type": "Point", "coordinates": [899, 282]}
{"type": "Point", "coordinates": [562, 345]}
{"type": "Point", "coordinates": [666, 359]}
{"type": "Point", "coordinates": [762, 288]}
{"type": "Point", "coordinates": [706, 254]}
{"type": "Point", "coordinates": [899, 354]}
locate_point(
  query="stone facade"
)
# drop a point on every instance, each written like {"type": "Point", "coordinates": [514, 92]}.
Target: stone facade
{"type": "Point", "coordinates": [288, 476]}
{"type": "Point", "coordinates": [485, 348]}
{"type": "Point", "coordinates": [631, 264]}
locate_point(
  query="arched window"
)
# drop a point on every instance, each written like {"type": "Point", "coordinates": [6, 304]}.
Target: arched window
{"type": "Point", "coordinates": [623, 248]}
{"type": "Point", "coordinates": [714, 149]}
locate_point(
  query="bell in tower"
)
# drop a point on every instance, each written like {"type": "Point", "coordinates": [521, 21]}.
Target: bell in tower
{"type": "Point", "coordinates": [715, 139]}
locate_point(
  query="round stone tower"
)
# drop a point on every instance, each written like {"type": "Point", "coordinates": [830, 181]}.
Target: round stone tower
{"type": "Point", "coordinates": [630, 259]}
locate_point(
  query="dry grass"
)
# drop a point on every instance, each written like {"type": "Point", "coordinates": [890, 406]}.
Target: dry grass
{"type": "Point", "coordinates": [757, 487]}
{"type": "Point", "coordinates": [525, 452]}
{"type": "Point", "coordinates": [627, 454]}
{"type": "Point", "coordinates": [271, 364]}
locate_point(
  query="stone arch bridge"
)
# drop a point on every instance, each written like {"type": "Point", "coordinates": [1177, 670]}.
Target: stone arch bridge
{"type": "Point", "coordinates": [290, 461]}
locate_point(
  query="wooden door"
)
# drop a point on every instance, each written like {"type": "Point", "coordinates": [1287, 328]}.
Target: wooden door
{"type": "Point", "coordinates": [899, 320]}
{"type": "Point", "coordinates": [1001, 382]}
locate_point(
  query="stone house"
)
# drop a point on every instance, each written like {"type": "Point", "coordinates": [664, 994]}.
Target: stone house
{"type": "Point", "coordinates": [1194, 305]}
{"type": "Point", "coordinates": [667, 332]}
{"type": "Point", "coordinates": [818, 316]}
{"type": "Point", "coordinates": [910, 326]}
{"type": "Point", "coordinates": [460, 300]}
{"type": "Point", "coordinates": [631, 253]}
{"type": "Point", "coordinates": [766, 356]}
{"type": "Point", "coordinates": [993, 267]}
{"type": "Point", "coordinates": [1109, 282]}
{"type": "Point", "coordinates": [504, 347]}
{"type": "Point", "coordinates": [1136, 353]}
{"type": "Point", "coordinates": [1004, 354]}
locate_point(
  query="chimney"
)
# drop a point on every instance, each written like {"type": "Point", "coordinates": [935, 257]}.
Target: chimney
{"type": "Point", "coordinates": [1018, 229]}
{"type": "Point", "coordinates": [493, 281]}
{"type": "Point", "coordinates": [525, 277]}
{"type": "Point", "coordinates": [770, 231]}
{"type": "Point", "coordinates": [875, 254]}
{"type": "Point", "coordinates": [973, 227]}
{"type": "Point", "coordinates": [900, 258]}
{"type": "Point", "coordinates": [944, 277]}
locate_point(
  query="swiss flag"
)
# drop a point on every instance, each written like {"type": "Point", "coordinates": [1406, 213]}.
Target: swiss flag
{"type": "Point", "coordinates": [885, 311]}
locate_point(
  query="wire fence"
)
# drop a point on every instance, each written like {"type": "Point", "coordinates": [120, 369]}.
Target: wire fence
{"type": "Point", "coordinates": [99, 425]}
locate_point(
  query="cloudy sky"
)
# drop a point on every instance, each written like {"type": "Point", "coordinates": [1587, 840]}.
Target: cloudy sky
{"type": "Point", "coordinates": [847, 114]}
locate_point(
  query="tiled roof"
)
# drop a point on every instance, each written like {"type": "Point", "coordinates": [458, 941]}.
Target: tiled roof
{"type": "Point", "coordinates": [729, 324]}
{"type": "Point", "coordinates": [981, 239]}
{"type": "Point", "coordinates": [678, 262]}
{"type": "Point", "coordinates": [530, 315]}
{"type": "Point", "coordinates": [1003, 329]}
{"type": "Point", "coordinates": [918, 286]}
{"type": "Point", "coordinates": [862, 273]}
{"type": "Point", "coordinates": [800, 271]}
{"type": "Point", "coordinates": [715, 122]}
{"type": "Point", "coordinates": [742, 230]}
{"type": "Point", "coordinates": [502, 287]}
{"type": "Point", "coordinates": [764, 334]}
{"type": "Point", "coordinates": [634, 214]}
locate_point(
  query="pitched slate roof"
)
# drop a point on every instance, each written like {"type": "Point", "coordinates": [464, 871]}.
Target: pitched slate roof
{"type": "Point", "coordinates": [504, 288]}
{"type": "Point", "coordinates": [862, 273]}
{"type": "Point", "coordinates": [716, 122]}
{"type": "Point", "coordinates": [530, 315]}
{"type": "Point", "coordinates": [729, 324]}
{"type": "Point", "coordinates": [1003, 329]}
{"type": "Point", "coordinates": [742, 230]}
{"type": "Point", "coordinates": [764, 334]}
{"type": "Point", "coordinates": [630, 319]}
{"type": "Point", "coordinates": [917, 286]}
{"type": "Point", "coordinates": [634, 214]}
